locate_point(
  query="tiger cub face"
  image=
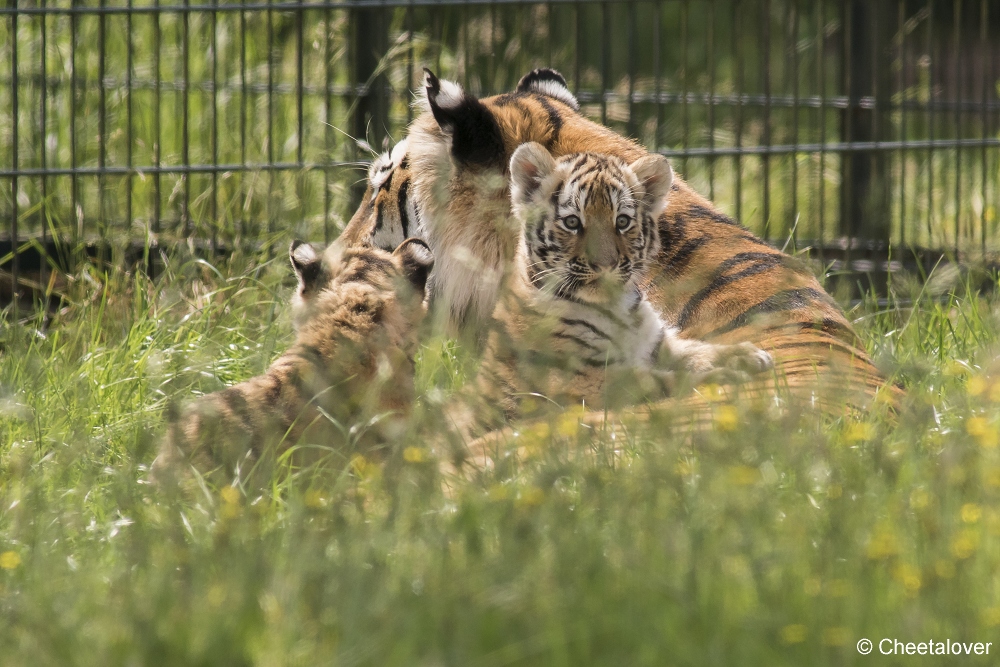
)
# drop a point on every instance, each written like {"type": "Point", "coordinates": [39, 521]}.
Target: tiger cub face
{"type": "Point", "coordinates": [589, 221]}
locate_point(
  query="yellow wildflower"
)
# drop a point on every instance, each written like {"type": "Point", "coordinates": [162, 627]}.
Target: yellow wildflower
{"type": "Point", "coordinates": [971, 512]}
{"type": "Point", "coordinates": [727, 418]}
{"type": "Point", "coordinates": [838, 588]}
{"type": "Point", "coordinates": [793, 634]}
{"type": "Point", "coordinates": [531, 497]}
{"type": "Point", "coordinates": [984, 432]}
{"type": "Point", "coordinates": [991, 617]}
{"type": "Point", "coordinates": [712, 392]}
{"type": "Point", "coordinates": [315, 499]}
{"type": "Point", "coordinates": [743, 475]}
{"type": "Point", "coordinates": [975, 386]}
{"type": "Point", "coordinates": [9, 560]}
{"type": "Point", "coordinates": [364, 468]}
{"type": "Point", "coordinates": [920, 499]}
{"type": "Point", "coordinates": [964, 544]}
{"type": "Point", "coordinates": [945, 569]}
{"type": "Point", "coordinates": [882, 545]}
{"type": "Point", "coordinates": [838, 636]}
{"type": "Point", "coordinates": [909, 576]}
{"type": "Point", "coordinates": [859, 431]}
{"type": "Point", "coordinates": [414, 454]}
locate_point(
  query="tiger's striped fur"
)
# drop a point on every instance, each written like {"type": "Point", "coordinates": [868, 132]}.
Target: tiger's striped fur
{"type": "Point", "coordinates": [572, 320]}
{"type": "Point", "coordinates": [356, 310]}
{"type": "Point", "coordinates": [713, 279]}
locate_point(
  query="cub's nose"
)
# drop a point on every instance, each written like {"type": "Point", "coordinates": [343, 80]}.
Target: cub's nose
{"type": "Point", "coordinates": [602, 254]}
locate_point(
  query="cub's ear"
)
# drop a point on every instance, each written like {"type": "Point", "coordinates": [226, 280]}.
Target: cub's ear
{"type": "Point", "coordinates": [475, 134]}
{"type": "Point", "coordinates": [547, 81]}
{"type": "Point", "coordinates": [530, 165]}
{"type": "Point", "coordinates": [417, 262]}
{"type": "Point", "coordinates": [307, 263]}
{"type": "Point", "coordinates": [656, 176]}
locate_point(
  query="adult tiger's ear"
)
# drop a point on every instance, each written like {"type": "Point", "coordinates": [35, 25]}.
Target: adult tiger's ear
{"type": "Point", "coordinates": [547, 81]}
{"type": "Point", "coordinates": [475, 134]}
{"type": "Point", "coordinates": [656, 176]}
{"type": "Point", "coordinates": [530, 165]}
{"type": "Point", "coordinates": [417, 262]}
{"type": "Point", "coordinates": [308, 264]}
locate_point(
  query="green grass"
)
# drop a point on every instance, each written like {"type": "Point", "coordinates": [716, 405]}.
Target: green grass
{"type": "Point", "coordinates": [782, 542]}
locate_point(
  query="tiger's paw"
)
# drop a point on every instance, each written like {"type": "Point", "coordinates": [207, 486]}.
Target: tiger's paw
{"type": "Point", "coordinates": [745, 357]}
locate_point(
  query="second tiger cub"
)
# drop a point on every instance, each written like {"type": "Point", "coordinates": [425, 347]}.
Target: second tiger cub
{"type": "Point", "coordinates": [573, 308]}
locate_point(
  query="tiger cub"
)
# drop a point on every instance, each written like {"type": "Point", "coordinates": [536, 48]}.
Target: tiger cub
{"type": "Point", "coordinates": [573, 307]}
{"type": "Point", "coordinates": [356, 310]}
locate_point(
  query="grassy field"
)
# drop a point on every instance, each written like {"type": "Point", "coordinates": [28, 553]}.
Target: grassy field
{"type": "Point", "coordinates": [775, 538]}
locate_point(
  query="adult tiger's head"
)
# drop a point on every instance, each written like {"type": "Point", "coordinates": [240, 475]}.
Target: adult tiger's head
{"type": "Point", "coordinates": [589, 220]}
{"type": "Point", "coordinates": [388, 213]}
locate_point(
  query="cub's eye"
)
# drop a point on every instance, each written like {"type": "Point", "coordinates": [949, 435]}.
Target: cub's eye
{"type": "Point", "coordinates": [572, 223]}
{"type": "Point", "coordinates": [623, 222]}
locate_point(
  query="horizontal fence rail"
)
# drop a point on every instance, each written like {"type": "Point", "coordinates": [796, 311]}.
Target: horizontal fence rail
{"type": "Point", "coordinates": [127, 121]}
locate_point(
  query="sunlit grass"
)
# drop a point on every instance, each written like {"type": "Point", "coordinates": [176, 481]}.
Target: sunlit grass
{"type": "Point", "coordinates": [772, 538]}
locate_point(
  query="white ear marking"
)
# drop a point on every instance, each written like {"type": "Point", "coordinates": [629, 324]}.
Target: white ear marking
{"type": "Point", "coordinates": [553, 89]}
{"type": "Point", "coordinates": [450, 96]}
{"type": "Point", "coordinates": [304, 254]}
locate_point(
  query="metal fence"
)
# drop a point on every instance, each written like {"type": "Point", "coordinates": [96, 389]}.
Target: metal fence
{"type": "Point", "coordinates": [135, 121]}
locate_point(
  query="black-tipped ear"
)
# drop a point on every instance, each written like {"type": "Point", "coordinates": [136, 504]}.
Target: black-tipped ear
{"type": "Point", "coordinates": [475, 134]}
{"type": "Point", "coordinates": [547, 81]}
{"type": "Point", "coordinates": [417, 262]}
{"type": "Point", "coordinates": [306, 262]}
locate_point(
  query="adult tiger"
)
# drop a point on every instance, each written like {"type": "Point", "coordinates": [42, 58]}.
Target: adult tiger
{"type": "Point", "coordinates": [448, 182]}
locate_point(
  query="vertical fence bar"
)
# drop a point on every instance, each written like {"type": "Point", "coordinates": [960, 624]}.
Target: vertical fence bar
{"type": "Point", "coordinates": [821, 86]}
{"type": "Point", "coordinates": [793, 20]}
{"type": "Point", "coordinates": [269, 204]}
{"type": "Point", "coordinates": [578, 41]}
{"type": "Point", "coordinates": [605, 60]}
{"type": "Point", "coordinates": [158, 138]}
{"type": "Point", "coordinates": [957, 55]}
{"type": "Point", "coordinates": [14, 235]}
{"type": "Point", "coordinates": [631, 39]}
{"type": "Point", "coordinates": [214, 205]}
{"type": "Point", "coordinates": [737, 154]}
{"type": "Point", "coordinates": [128, 117]}
{"type": "Point", "coordinates": [185, 123]}
{"type": "Point", "coordinates": [901, 20]}
{"type": "Point", "coordinates": [102, 127]}
{"type": "Point", "coordinates": [765, 158]}
{"type": "Point", "coordinates": [711, 99]}
{"type": "Point", "coordinates": [43, 210]}
{"type": "Point", "coordinates": [75, 212]}
{"type": "Point", "coordinates": [685, 119]}
{"type": "Point", "coordinates": [657, 74]}
{"type": "Point", "coordinates": [243, 119]}
{"type": "Point", "coordinates": [847, 127]}
{"type": "Point", "coordinates": [328, 125]}
{"type": "Point", "coordinates": [299, 121]}
{"type": "Point", "coordinates": [930, 121]}
{"type": "Point", "coordinates": [984, 59]}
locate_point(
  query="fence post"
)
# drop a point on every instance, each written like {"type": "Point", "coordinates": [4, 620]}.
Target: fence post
{"type": "Point", "coordinates": [865, 177]}
{"type": "Point", "coordinates": [369, 37]}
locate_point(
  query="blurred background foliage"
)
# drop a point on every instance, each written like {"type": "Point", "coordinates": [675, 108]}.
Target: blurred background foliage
{"type": "Point", "coordinates": [224, 122]}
